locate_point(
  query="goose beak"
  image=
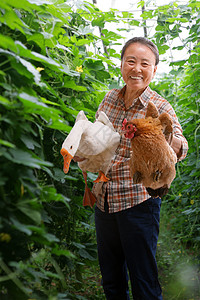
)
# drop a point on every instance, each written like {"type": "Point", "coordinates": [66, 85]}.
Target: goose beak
{"type": "Point", "coordinates": [67, 159]}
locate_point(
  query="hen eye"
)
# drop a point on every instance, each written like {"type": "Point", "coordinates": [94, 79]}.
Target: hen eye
{"type": "Point", "coordinates": [129, 126]}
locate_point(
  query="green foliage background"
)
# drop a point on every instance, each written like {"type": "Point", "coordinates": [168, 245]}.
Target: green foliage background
{"type": "Point", "coordinates": [47, 239]}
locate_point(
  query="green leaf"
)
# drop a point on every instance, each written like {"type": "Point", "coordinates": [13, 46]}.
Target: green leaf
{"type": "Point", "coordinates": [29, 142]}
{"type": "Point", "coordinates": [40, 2]}
{"type": "Point", "coordinates": [6, 143]}
{"type": "Point", "coordinates": [32, 101]}
{"type": "Point", "coordinates": [51, 237]}
{"type": "Point", "coordinates": [38, 38]}
{"type": "Point", "coordinates": [7, 42]}
{"type": "Point", "coordinates": [63, 252]}
{"type": "Point", "coordinates": [82, 42]}
{"type": "Point", "coordinates": [102, 75]}
{"type": "Point", "coordinates": [25, 4]}
{"type": "Point", "coordinates": [59, 175]}
{"type": "Point", "coordinates": [178, 63]}
{"type": "Point", "coordinates": [5, 101]}
{"type": "Point", "coordinates": [83, 30]}
{"type": "Point", "coordinates": [195, 4]}
{"type": "Point", "coordinates": [11, 19]}
{"type": "Point", "coordinates": [100, 21]}
{"type": "Point", "coordinates": [68, 177]}
{"type": "Point", "coordinates": [94, 64]}
{"type": "Point", "coordinates": [52, 115]}
{"type": "Point", "coordinates": [42, 58]}
{"type": "Point", "coordinates": [49, 102]}
{"type": "Point", "coordinates": [141, 3]}
{"type": "Point", "coordinates": [22, 50]}
{"type": "Point", "coordinates": [59, 124]}
{"type": "Point", "coordinates": [50, 194]}
{"type": "Point", "coordinates": [19, 156]}
{"type": "Point", "coordinates": [32, 71]}
{"type": "Point", "coordinates": [72, 85]}
{"type": "Point", "coordinates": [163, 49]}
{"type": "Point", "coordinates": [172, 20]}
{"type": "Point", "coordinates": [21, 227]}
{"type": "Point", "coordinates": [83, 253]}
{"type": "Point", "coordinates": [30, 212]}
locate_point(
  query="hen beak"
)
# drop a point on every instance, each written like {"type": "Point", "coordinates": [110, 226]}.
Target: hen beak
{"type": "Point", "coordinates": [67, 159]}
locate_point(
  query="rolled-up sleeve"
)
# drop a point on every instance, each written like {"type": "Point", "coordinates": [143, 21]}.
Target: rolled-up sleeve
{"type": "Point", "coordinates": [178, 133]}
{"type": "Point", "coordinates": [184, 144]}
{"type": "Point", "coordinates": [164, 106]}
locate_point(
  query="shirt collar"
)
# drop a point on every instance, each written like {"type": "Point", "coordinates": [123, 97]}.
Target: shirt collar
{"type": "Point", "coordinates": [144, 98]}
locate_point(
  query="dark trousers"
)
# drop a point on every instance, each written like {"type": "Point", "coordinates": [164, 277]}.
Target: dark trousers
{"type": "Point", "coordinates": [128, 239]}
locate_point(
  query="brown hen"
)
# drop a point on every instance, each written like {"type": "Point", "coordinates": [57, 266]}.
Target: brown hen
{"type": "Point", "coordinates": [152, 161]}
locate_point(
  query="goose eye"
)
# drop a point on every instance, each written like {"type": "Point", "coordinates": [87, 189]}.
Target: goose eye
{"type": "Point", "coordinates": [71, 147]}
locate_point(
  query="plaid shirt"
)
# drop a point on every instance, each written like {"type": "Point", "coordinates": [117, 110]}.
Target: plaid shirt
{"type": "Point", "coordinates": [122, 193]}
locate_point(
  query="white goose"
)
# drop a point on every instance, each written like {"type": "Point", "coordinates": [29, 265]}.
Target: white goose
{"type": "Point", "coordinates": [94, 144]}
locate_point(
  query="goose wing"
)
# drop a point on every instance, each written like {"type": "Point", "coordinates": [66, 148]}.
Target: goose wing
{"type": "Point", "coordinates": [97, 138]}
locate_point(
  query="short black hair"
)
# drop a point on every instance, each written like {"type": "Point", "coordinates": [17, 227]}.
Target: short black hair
{"type": "Point", "coordinates": [144, 41]}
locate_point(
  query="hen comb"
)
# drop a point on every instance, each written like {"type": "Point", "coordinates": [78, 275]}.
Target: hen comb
{"type": "Point", "coordinates": [124, 124]}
